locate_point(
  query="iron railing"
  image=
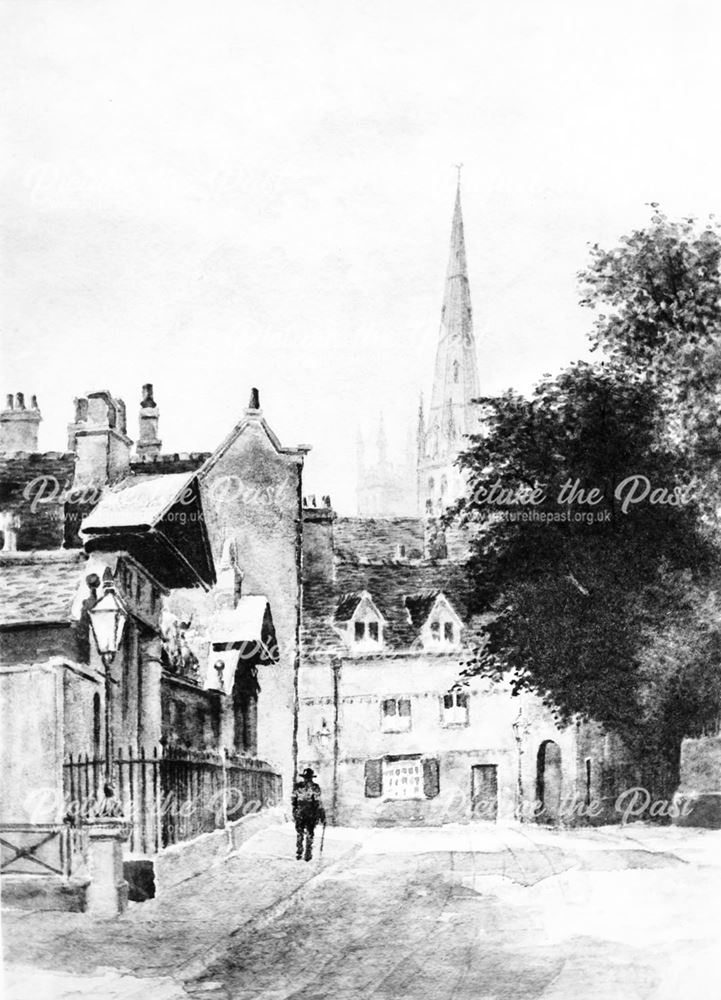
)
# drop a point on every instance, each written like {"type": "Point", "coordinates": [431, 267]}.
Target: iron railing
{"type": "Point", "coordinates": [172, 794]}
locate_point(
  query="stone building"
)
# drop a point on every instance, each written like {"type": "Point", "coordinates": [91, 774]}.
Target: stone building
{"type": "Point", "coordinates": [394, 730]}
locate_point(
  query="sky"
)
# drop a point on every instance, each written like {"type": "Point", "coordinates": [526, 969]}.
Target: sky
{"type": "Point", "coordinates": [213, 196]}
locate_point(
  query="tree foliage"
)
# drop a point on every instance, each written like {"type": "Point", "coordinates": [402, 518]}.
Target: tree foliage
{"type": "Point", "coordinates": [579, 580]}
{"type": "Point", "coordinates": [657, 296]}
{"type": "Point", "coordinates": [607, 608]}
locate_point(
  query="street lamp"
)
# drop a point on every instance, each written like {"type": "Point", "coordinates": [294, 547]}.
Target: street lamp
{"type": "Point", "coordinates": [107, 620]}
{"type": "Point", "coordinates": [323, 737]}
{"type": "Point", "coordinates": [520, 729]}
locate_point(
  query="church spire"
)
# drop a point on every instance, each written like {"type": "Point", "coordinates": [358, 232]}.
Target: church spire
{"type": "Point", "coordinates": [451, 414]}
{"type": "Point", "coordinates": [456, 376]}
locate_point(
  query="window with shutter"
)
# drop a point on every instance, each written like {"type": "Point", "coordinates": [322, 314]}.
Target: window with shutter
{"type": "Point", "coordinates": [402, 778]}
{"type": "Point", "coordinates": [373, 778]}
{"type": "Point", "coordinates": [431, 778]}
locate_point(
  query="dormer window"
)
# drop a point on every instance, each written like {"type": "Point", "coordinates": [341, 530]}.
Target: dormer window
{"type": "Point", "coordinates": [360, 622]}
{"type": "Point", "coordinates": [439, 627]}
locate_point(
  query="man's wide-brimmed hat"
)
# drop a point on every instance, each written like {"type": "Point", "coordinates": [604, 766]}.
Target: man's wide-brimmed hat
{"type": "Point", "coordinates": [308, 773]}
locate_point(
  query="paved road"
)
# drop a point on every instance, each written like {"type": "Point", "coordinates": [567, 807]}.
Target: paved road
{"type": "Point", "coordinates": [484, 913]}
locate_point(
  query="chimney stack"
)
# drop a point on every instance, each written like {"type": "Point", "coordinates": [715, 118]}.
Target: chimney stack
{"type": "Point", "coordinates": [99, 439]}
{"type": "Point", "coordinates": [19, 425]}
{"type": "Point", "coordinates": [149, 443]}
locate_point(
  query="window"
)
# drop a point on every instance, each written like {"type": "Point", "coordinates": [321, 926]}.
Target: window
{"type": "Point", "coordinates": [448, 631]}
{"type": "Point", "coordinates": [360, 631]}
{"type": "Point", "coordinates": [455, 708]}
{"type": "Point", "coordinates": [403, 779]}
{"type": "Point", "coordinates": [373, 631]}
{"type": "Point", "coordinates": [396, 715]}
{"type": "Point", "coordinates": [455, 371]}
{"type": "Point", "coordinates": [411, 777]}
{"type": "Point", "coordinates": [436, 631]}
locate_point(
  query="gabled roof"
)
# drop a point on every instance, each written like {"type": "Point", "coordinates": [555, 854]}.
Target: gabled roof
{"type": "Point", "coordinates": [249, 622]}
{"type": "Point", "coordinates": [159, 520]}
{"type": "Point", "coordinates": [253, 417]}
{"type": "Point", "coordinates": [347, 607]}
{"type": "Point", "coordinates": [420, 606]}
{"type": "Point", "coordinates": [39, 587]}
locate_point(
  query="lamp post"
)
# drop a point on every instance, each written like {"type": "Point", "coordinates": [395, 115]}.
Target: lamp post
{"type": "Point", "coordinates": [107, 620]}
{"type": "Point", "coordinates": [520, 730]}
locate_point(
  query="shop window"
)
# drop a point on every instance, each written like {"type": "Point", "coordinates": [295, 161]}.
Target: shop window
{"type": "Point", "coordinates": [407, 777]}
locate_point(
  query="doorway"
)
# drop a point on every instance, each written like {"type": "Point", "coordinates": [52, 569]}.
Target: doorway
{"type": "Point", "coordinates": [484, 792]}
{"type": "Point", "coordinates": [548, 781]}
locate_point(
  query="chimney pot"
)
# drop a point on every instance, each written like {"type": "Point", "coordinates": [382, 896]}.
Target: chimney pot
{"type": "Point", "coordinates": [147, 399]}
{"type": "Point", "coordinates": [10, 401]}
{"type": "Point", "coordinates": [20, 400]}
{"type": "Point", "coordinates": [254, 403]}
{"type": "Point", "coordinates": [34, 402]}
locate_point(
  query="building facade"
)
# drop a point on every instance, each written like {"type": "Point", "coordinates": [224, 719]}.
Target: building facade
{"type": "Point", "coordinates": [395, 731]}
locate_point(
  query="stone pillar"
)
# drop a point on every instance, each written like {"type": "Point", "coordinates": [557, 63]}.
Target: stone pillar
{"type": "Point", "coordinates": [107, 894]}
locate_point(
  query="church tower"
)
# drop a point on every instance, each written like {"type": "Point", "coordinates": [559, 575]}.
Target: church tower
{"type": "Point", "coordinates": [451, 415]}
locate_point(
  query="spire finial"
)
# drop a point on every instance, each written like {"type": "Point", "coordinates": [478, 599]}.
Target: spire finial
{"type": "Point", "coordinates": [459, 167]}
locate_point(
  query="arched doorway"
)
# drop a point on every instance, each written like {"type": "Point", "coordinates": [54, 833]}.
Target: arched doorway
{"type": "Point", "coordinates": [548, 781]}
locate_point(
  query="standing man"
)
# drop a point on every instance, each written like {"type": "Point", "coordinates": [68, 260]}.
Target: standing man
{"type": "Point", "coordinates": [307, 811]}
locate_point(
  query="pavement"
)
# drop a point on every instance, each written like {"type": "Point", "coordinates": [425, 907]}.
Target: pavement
{"type": "Point", "coordinates": [474, 912]}
{"type": "Point", "coordinates": [157, 946]}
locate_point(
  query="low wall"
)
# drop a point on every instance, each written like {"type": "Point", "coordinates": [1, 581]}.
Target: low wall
{"type": "Point", "coordinates": [44, 892]}
{"type": "Point", "coordinates": [698, 798]}
{"type": "Point", "coordinates": [150, 876]}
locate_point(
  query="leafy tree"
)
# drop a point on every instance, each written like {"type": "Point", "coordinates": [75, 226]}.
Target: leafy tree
{"type": "Point", "coordinates": [582, 586]}
{"type": "Point", "coordinates": [658, 301]}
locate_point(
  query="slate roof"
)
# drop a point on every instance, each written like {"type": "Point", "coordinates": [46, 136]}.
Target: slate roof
{"type": "Point", "coordinates": [368, 539]}
{"type": "Point", "coordinates": [389, 585]}
{"type": "Point", "coordinates": [347, 607]}
{"type": "Point", "coordinates": [39, 587]}
{"type": "Point", "coordinates": [169, 463]}
{"type": "Point", "coordinates": [139, 501]}
{"type": "Point", "coordinates": [420, 606]}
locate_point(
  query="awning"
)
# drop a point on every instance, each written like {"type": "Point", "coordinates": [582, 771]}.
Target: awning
{"type": "Point", "coordinates": [158, 520]}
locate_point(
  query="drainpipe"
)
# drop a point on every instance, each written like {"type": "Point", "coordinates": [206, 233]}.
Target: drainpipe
{"type": "Point", "coordinates": [335, 667]}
